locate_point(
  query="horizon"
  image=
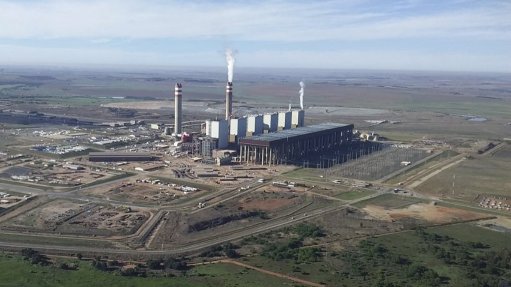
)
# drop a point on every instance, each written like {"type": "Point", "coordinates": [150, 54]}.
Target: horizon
{"type": "Point", "coordinates": [147, 69]}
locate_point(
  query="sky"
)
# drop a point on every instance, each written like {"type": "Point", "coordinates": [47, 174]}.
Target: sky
{"type": "Point", "coordinates": [439, 35]}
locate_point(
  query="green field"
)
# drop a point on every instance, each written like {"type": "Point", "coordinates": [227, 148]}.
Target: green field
{"type": "Point", "coordinates": [14, 271]}
{"type": "Point", "coordinates": [458, 243]}
{"type": "Point", "coordinates": [403, 136]}
{"type": "Point", "coordinates": [390, 201]}
{"type": "Point", "coordinates": [311, 271]}
{"type": "Point", "coordinates": [472, 233]}
{"type": "Point", "coordinates": [479, 175]}
{"type": "Point", "coordinates": [439, 256]}
{"type": "Point", "coordinates": [36, 239]}
{"type": "Point", "coordinates": [356, 194]}
{"type": "Point", "coordinates": [419, 167]}
{"type": "Point", "coordinates": [311, 174]}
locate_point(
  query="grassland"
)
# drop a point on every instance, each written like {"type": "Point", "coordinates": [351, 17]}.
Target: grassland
{"type": "Point", "coordinates": [63, 241]}
{"type": "Point", "coordinates": [356, 194]}
{"type": "Point", "coordinates": [460, 204]}
{"type": "Point", "coordinates": [230, 275]}
{"type": "Point", "coordinates": [471, 233]}
{"type": "Point", "coordinates": [460, 106]}
{"type": "Point", "coordinates": [390, 201]}
{"type": "Point", "coordinates": [444, 255]}
{"type": "Point", "coordinates": [422, 166]}
{"type": "Point", "coordinates": [14, 271]}
{"type": "Point", "coordinates": [408, 244]}
{"type": "Point", "coordinates": [310, 174]}
{"type": "Point", "coordinates": [487, 174]}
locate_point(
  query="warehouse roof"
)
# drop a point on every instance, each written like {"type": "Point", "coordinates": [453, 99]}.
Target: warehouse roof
{"type": "Point", "coordinates": [294, 133]}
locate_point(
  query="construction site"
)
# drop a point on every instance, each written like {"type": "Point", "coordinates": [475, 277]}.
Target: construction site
{"type": "Point", "coordinates": [55, 173]}
{"type": "Point", "coordinates": [77, 218]}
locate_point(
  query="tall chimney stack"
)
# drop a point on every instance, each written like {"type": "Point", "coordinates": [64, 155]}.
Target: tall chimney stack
{"type": "Point", "coordinates": [228, 101]}
{"type": "Point", "coordinates": [178, 94]}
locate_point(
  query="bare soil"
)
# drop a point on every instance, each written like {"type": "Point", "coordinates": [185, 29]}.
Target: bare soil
{"type": "Point", "coordinates": [425, 212]}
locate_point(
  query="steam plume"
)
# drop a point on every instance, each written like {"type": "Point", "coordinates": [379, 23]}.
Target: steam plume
{"type": "Point", "coordinates": [302, 85]}
{"type": "Point", "coordinates": [229, 56]}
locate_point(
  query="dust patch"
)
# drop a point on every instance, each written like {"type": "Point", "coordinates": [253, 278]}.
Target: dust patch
{"type": "Point", "coordinates": [427, 212]}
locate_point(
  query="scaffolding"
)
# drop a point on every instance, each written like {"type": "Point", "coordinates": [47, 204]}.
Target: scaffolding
{"type": "Point", "coordinates": [208, 145]}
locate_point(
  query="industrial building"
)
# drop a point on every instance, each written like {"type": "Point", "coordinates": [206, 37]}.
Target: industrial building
{"type": "Point", "coordinates": [270, 122]}
{"type": "Point", "coordinates": [238, 129]}
{"type": "Point", "coordinates": [255, 125]}
{"type": "Point", "coordinates": [295, 144]}
{"type": "Point", "coordinates": [284, 120]}
{"type": "Point", "coordinates": [219, 130]}
{"type": "Point", "coordinates": [266, 139]}
{"type": "Point", "coordinates": [297, 118]}
{"type": "Point", "coordinates": [120, 156]}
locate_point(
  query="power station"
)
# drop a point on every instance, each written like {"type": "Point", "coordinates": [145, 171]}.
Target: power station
{"type": "Point", "coordinates": [267, 139]}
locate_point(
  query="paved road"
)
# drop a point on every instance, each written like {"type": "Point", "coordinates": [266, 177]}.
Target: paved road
{"type": "Point", "coordinates": [293, 217]}
{"type": "Point", "coordinates": [196, 246]}
{"type": "Point", "coordinates": [213, 198]}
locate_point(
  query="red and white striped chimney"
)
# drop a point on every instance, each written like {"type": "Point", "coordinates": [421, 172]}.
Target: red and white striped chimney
{"type": "Point", "coordinates": [178, 105]}
{"type": "Point", "coordinates": [228, 101]}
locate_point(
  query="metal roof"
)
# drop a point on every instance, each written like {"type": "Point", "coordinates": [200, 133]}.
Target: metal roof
{"type": "Point", "coordinates": [292, 133]}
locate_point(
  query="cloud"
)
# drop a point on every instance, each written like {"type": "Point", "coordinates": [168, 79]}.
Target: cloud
{"type": "Point", "coordinates": [101, 41]}
{"type": "Point", "coordinates": [14, 54]}
{"type": "Point", "coordinates": [400, 34]}
{"type": "Point", "coordinates": [252, 20]}
{"type": "Point", "coordinates": [382, 60]}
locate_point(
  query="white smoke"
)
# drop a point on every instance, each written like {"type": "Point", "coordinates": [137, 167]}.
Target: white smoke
{"type": "Point", "coordinates": [229, 56]}
{"type": "Point", "coordinates": [302, 86]}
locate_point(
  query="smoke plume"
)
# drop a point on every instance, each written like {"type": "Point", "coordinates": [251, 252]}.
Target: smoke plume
{"type": "Point", "coordinates": [229, 56]}
{"type": "Point", "coordinates": [302, 86]}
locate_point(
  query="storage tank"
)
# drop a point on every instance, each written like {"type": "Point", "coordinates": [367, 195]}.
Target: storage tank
{"type": "Point", "coordinates": [297, 118]}
{"type": "Point", "coordinates": [270, 122]}
{"type": "Point", "coordinates": [284, 122]}
{"type": "Point", "coordinates": [255, 125]}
